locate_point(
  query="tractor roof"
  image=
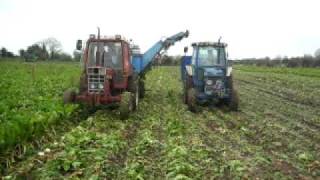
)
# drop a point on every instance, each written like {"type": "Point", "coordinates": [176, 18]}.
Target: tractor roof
{"type": "Point", "coordinates": [93, 37]}
{"type": "Point", "coordinates": [214, 44]}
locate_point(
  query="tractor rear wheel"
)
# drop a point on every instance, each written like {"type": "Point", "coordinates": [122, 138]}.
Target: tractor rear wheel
{"type": "Point", "coordinates": [136, 96]}
{"type": "Point", "coordinates": [126, 104]}
{"type": "Point", "coordinates": [185, 95]}
{"type": "Point", "coordinates": [83, 83]}
{"type": "Point", "coordinates": [186, 86]}
{"type": "Point", "coordinates": [134, 88]}
{"type": "Point", "coordinates": [132, 83]}
{"type": "Point", "coordinates": [234, 101]}
{"type": "Point", "coordinates": [192, 100]}
{"type": "Point", "coordinates": [141, 88]}
{"type": "Point", "coordinates": [69, 96]}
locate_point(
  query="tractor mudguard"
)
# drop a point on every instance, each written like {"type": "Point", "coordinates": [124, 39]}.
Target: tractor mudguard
{"type": "Point", "coordinates": [229, 71]}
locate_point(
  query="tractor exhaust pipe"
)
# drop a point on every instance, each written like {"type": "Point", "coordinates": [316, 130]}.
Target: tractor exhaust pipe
{"type": "Point", "coordinates": [98, 32]}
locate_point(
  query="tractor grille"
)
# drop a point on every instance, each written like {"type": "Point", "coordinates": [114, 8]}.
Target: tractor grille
{"type": "Point", "coordinates": [217, 86]}
{"type": "Point", "coordinates": [96, 79]}
{"type": "Point", "coordinates": [118, 78]}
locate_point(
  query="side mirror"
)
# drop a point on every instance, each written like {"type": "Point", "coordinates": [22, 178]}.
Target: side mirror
{"type": "Point", "coordinates": [187, 33]}
{"type": "Point", "coordinates": [79, 44]}
{"type": "Point", "coordinates": [185, 49]}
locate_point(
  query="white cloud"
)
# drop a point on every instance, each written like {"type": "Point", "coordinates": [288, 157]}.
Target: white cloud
{"type": "Point", "coordinates": [252, 28]}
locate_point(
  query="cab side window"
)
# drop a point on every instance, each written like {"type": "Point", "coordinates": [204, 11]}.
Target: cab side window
{"type": "Point", "coordinates": [194, 54]}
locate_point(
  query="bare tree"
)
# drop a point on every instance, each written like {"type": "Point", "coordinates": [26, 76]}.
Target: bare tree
{"type": "Point", "coordinates": [53, 45]}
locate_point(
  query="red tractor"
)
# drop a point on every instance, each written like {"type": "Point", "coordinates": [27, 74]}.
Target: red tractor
{"type": "Point", "coordinates": [114, 71]}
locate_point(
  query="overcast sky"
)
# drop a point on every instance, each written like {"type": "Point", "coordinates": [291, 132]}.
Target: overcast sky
{"type": "Point", "coordinates": [252, 28]}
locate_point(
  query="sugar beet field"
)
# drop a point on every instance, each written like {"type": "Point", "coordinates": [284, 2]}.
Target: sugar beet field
{"type": "Point", "coordinates": [275, 134]}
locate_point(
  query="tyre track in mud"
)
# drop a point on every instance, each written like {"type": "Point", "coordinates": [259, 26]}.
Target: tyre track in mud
{"type": "Point", "coordinates": [249, 154]}
{"type": "Point", "coordinates": [294, 118]}
{"type": "Point", "coordinates": [172, 138]}
{"type": "Point", "coordinates": [266, 89]}
{"type": "Point", "coordinates": [285, 116]}
{"type": "Point", "coordinates": [117, 161]}
{"type": "Point", "coordinates": [223, 132]}
{"type": "Point", "coordinates": [230, 140]}
{"type": "Point", "coordinates": [289, 168]}
{"type": "Point", "coordinates": [292, 127]}
{"type": "Point", "coordinates": [125, 160]}
{"type": "Point", "coordinates": [144, 157]}
{"type": "Point", "coordinates": [298, 89]}
{"type": "Point", "coordinates": [311, 109]}
{"type": "Point", "coordinates": [308, 112]}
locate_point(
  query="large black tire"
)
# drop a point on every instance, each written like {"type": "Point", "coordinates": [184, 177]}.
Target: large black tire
{"type": "Point", "coordinates": [134, 88]}
{"type": "Point", "coordinates": [69, 96]}
{"type": "Point", "coordinates": [132, 83]}
{"type": "Point", "coordinates": [142, 89]}
{"type": "Point", "coordinates": [234, 100]}
{"type": "Point", "coordinates": [186, 86]}
{"type": "Point", "coordinates": [230, 82]}
{"type": "Point", "coordinates": [126, 104]}
{"type": "Point", "coordinates": [185, 95]}
{"type": "Point", "coordinates": [83, 85]}
{"type": "Point", "coordinates": [136, 96]}
{"type": "Point", "coordinates": [192, 100]}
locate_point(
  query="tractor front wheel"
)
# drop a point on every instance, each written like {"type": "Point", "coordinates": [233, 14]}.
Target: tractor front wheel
{"type": "Point", "coordinates": [127, 104]}
{"type": "Point", "coordinates": [185, 95]}
{"type": "Point", "coordinates": [136, 96]}
{"type": "Point", "coordinates": [134, 87]}
{"type": "Point", "coordinates": [234, 101]}
{"type": "Point", "coordinates": [141, 88]}
{"type": "Point", "coordinates": [69, 96]}
{"type": "Point", "coordinates": [192, 100]}
{"type": "Point", "coordinates": [83, 83]}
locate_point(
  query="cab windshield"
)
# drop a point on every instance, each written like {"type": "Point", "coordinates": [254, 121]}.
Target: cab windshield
{"type": "Point", "coordinates": [211, 56]}
{"type": "Point", "coordinates": [107, 54]}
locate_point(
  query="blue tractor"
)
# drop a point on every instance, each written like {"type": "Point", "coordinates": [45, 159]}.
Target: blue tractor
{"type": "Point", "coordinates": [207, 77]}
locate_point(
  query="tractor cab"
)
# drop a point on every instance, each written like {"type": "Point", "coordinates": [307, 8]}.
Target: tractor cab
{"type": "Point", "coordinates": [107, 63]}
{"type": "Point", "coordinates": [107, 54]}
{"type": "Point", "coordinates": [209, 59]}
{"type": "Point", "coordinates": [106, 70]}
{"type": "Point", "coordinates": [206, 74]}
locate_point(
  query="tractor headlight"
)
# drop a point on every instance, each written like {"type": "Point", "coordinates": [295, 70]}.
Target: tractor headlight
{"type": "Point", "coordinates": [92, 86]}
{"type": "Point", "coordinates": [100, 86]}
{"type": "Point", "coordinates": [209, 82]}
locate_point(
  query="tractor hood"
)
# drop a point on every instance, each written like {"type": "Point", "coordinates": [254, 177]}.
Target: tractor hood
{"type": "Point", "coordinates": [213, 71]}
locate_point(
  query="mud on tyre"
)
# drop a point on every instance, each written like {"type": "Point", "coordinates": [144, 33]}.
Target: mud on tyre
{"type": "Point", "coordinates": [192, 100]}
{"type": "Point", "coordinates": [126, 104]}
{"type": "Point", "coordinates": [69, 96]}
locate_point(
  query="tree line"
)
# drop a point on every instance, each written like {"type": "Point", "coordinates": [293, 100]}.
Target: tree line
{"type": "Point", "coordinates": [166, 60]}
{"type": "Point", "coordinates": [5, 53]}
{"type": "Point", "coordinates": [46, 49]}
{"type": "Point", "coordinates": [304, 61]}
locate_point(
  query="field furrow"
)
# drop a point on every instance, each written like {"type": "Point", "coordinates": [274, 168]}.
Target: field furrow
{"type": "Point", "coordinates": [272, 136]}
